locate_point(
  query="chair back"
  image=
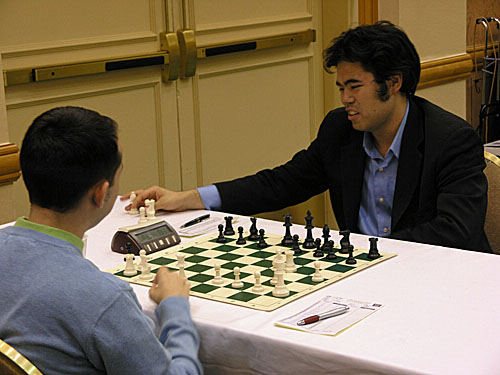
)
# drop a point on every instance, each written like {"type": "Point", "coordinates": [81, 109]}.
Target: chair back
{"type": "Point", "coordinates": [13, 363]}
{"type": "Point", "coordinates": [492, 222]}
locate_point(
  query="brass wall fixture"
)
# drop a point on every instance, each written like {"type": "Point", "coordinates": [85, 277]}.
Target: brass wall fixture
{"type": "Point", "coordinates": [178, 57]}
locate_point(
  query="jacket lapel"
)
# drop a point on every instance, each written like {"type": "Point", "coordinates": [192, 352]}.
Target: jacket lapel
{"type": "Point", "coordinates": [410, 163]}
{"type": "Point", "coordinates": [352, 162]}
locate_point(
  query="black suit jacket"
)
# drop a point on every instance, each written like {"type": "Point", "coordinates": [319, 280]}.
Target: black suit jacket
{"type": "Point", "coordinates": [440, 195]}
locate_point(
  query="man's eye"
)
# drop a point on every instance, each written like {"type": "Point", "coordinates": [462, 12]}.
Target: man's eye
{"type": "Point", "coordinates": [355, 87]}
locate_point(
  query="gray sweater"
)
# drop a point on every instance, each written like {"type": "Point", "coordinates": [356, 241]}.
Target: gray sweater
{"type": "Point", "coordinates": [68, 317]}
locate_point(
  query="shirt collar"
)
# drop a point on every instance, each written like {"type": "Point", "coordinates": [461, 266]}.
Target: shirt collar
{"type": "Point", "coordinates": [54, 232]}
{"type": "Point", "coordinates": [369, 145]}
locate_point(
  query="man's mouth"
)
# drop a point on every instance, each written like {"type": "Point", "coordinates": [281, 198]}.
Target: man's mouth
{"type": "Point", "coordinates": [351, 113]}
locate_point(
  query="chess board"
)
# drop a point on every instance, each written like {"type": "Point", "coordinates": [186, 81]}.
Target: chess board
{"type": "Point", "coordinates": [202, 255]}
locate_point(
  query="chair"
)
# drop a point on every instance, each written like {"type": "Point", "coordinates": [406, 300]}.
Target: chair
{"type": "Point", "coordinates": [492, 223]}
{"type": "Point", "coordinates": [13, 363]}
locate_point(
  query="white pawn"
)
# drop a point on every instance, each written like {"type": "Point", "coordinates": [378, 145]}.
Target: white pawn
{"type": "Point", "coordinates": [290, 265]}
{"type": "Point", "coordinates": [276, 258]}
{"type": "Point", "coordinates": [130, 269]}
{"type": "Point", "coordinates": [217, 280]}
{"type": "Point", "coordinates": [180, 259]}
{"type": "Point", "coordinates": [181, 271]}
{"type": "Point", "coordinates": [133, 211]}
{"type": "Point", "coordinates": [257, 288]}
{"type": "Point", "coordinates": [237, 283]}
{"type": "Point", "coordinates": [317, 277]}
{"type": "Point", "coordinates": [142, 219]}
{"type": "Point", "coordinates": [146, 274]}
{"type": "Point", "coordinates": [280, 290]}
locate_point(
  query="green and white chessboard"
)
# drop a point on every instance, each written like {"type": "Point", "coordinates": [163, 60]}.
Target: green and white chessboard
{"type": "Point", "coordinates": [204, 253]}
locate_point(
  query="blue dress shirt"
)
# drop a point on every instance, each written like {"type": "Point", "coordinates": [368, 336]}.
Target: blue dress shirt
{"type": "Point", "coordinates": [379, 182]}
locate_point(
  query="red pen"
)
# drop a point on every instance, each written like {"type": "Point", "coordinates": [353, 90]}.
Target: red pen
{"type": "Point", "coordinates": [329, 314]}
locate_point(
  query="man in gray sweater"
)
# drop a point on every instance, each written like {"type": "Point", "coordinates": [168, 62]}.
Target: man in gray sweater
{"type": "Point", "coordinates": [58, 309]}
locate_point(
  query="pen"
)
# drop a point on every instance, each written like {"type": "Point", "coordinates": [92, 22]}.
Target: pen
{"type": "Point", "coordinates": [329, 314]}
{"type": "Point", "coordinates": [195, 221]}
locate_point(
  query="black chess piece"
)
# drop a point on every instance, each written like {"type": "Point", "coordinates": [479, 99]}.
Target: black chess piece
{"type": "Point", "coordinates": [240, 240]}
{"type": "Point", "coordinates": [287, 238]}
{"type": "Point", "coordinates": [331, 251]}
{"type": "Point", "coordinates": [229, 231]}
{"type": "Point", "coordinates": [128, 247]}
{"type": "Point", "coordinates": [296, 247]}
{"type": "Point", "coordinates": [373, 253]}
{"type": "Point", "coordinates": [262, 242]}
{"type": "Point", "coordinates": [221, 238]}
{"type": "Point", "coordinates": [318, 253]}
{"type": "Point", "coordinates": [326, 236]}
{"type": "Point", "coordinates": [309, 240]}
{"type": "Point", "coordinates": [254, 233]}
{"type": "Point", "coordinates": [344, 242]}
{"type": "Point", "coordinates": [350, 259]}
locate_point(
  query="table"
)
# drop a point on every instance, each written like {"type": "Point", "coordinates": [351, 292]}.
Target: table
{"type": "Point", "coordinates": [441, 313]}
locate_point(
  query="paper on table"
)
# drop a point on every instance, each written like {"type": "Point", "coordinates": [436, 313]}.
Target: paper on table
{"type": "Point", "coordinates": [358, 310]}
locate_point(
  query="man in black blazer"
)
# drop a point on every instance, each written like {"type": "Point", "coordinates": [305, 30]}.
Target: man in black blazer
{"type": "Point", "coordinates": [395, 164]}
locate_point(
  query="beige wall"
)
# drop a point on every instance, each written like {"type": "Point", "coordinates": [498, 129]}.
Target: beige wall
{"type": "Point", "coordinates": [438, 30]}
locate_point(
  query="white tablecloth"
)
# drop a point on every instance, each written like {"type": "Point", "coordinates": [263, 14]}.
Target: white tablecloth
{"type": "Point", "coordinates": [441, 313]}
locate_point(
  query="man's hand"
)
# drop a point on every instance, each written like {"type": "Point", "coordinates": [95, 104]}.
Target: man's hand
{"type": "Point", "coordinates": [168, 284]}
{"type": "Point", "coordinates": [166, 199]}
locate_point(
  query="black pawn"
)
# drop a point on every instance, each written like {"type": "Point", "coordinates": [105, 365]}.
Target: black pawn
{"type": "Point", "coordinates": [287, 238]}
{"type": "Point", "coordinates": [240, 240]}
{"type": "Point", "coordinates": [309, 240]}
{"type": "Point", "coordinates": [350, 259]}
{"type": "Point", "coordinates": [344, 242]}
{"type": "Point", "coordinates": [296, 247]}
{"type": "Point", "coordinates": [373, 253]}
{"type": "Point", "coordinates": [331, 251]}
{"type": "Point", "coordinates": [221, 238]}
{"type": "Point", "coordinates": [229, 231]}
{"type": "Point", "coordinates": [128, 247]}
{"type": "Point", "coordinates": [254, 233]}
{"type": "Point", "coordinates": [262, 242]}
{"type": "Point", "coordinates": [318, 253]}
{"type": "Point", "coordinates": [326, 236]}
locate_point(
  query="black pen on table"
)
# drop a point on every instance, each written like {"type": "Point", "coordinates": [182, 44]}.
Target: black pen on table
{"type": "Point", "coordinates": [195, 221]}
{"type": "Point", "coordinates": [326, 315]}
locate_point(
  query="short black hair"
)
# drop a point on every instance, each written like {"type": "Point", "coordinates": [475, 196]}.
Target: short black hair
{"type": "Point", "coordinates": [382, 49]}
{"type": "Point", "coordinates": [65, 152]}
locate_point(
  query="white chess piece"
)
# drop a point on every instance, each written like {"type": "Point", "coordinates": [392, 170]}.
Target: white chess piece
{"type": "Point", "coordinates": [280, 290]}
{"type": "Point", "coordinates": [143, 218]}
{"type": "Point", "coordinates": [237, 283]}
{"type": "Point", "coordinates": [257, 288]}
{"type": "Point", "coordinates": [133, 211]}
{"type": "Point", "coordinates": [130, 269]}
{"type": "Point", "coordinates": [217, 280]}
{"type": "Point", "coordinates": [276, 258]}
{"type": "Point", "coordinates": [180, 259]}
{"type": "Point", "coordinates": [181, 271]}
{"type": "Point", "coordinates": [150, 210]}
{"type": "Point", "coordinates": [146, 274]}
{"type": "Point", "coordinates": [317, 277]}
{"type": "Point", "coordinates": [290, 265]}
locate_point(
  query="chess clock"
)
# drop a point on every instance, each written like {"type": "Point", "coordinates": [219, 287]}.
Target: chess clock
{"type": "Point", "coordinates": [151, 236]}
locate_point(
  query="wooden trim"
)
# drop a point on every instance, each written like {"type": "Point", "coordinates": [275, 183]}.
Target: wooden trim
{"type": "Point", "coordinates": [10, 169]}
{"type": "Point", "coordinates": [367, 12]}
{"type": "Point", "coordinates": [436, 72]}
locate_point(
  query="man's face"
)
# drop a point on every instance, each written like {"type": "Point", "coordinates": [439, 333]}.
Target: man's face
{"type": "Point", "coordinates": [358, 91]}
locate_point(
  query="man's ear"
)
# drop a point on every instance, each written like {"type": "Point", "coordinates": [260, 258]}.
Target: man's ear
{"type": "Point", "coordinates": [395, 83]}
{"type": "Point", "coordinates": [99, 193]}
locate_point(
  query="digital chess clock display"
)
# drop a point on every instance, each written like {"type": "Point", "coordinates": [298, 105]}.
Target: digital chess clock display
{"type": "Point", "coordinates": [151, 236]}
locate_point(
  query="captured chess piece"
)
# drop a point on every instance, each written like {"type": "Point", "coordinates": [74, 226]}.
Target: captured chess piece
{"type": "Point", "coordinates": [221, 238]}
{"type": "Point", "coordinates": [287, 238]}
{"type": "Point", "coordinates": [229, 231]}
{"type": "Point", "coordinates": [143, 218]}
{"type": "Point", "coordinates": [309, 240]}
{"type": "Point", "coordinates": [150, 209]}
{"type": "Point", "coordinates": [344, 242]}
{"type": "Point", "coordinates": [262, 242]}
{"type": "Point", "coordinates": [318, 253]}
{"type": "Point", "coordinates": [373, 253]}
{"type": "Point", "coordinates": [254, 232]}
{"type": "Point", "coordinates": [296, 248]}
{"type": "Point", "coordinates": [350, 259]}
{"type": "Point", "coordinates": [240, 240]}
